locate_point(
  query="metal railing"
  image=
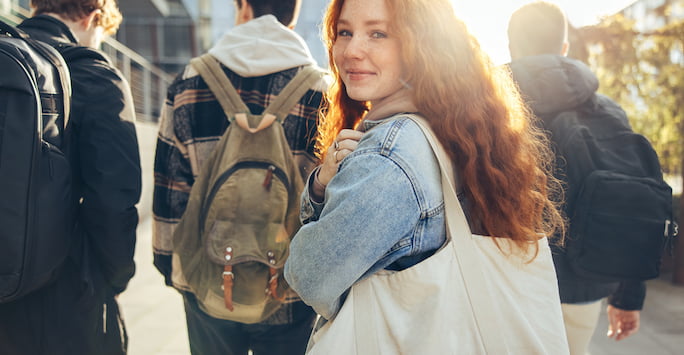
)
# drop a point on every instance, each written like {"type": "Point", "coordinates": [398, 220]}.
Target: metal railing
{"type": "Point", "coordinates": [148, 82]}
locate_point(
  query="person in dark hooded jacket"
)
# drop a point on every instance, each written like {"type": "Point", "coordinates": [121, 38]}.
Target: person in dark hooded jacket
{"type": "Point", "coordinates": [551, 83]}
{"type": "Point", "coordinates": [77, 314]}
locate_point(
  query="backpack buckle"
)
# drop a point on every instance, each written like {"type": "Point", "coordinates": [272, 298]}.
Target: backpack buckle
{"type": "Point", "coordinates": [671, 228]}
{"type": "Point", "coordinates": [671, 232]}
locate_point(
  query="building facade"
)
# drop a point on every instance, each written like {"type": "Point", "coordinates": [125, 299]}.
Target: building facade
{"type": "Point", "coordinates": [170, 32]}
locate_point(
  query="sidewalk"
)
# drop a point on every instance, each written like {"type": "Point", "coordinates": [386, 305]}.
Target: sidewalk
{"type": "Point", "coordinates": [156, 323]}
{"type": "Point", "coordinates": [662, 324]}
{"type": "Point", "coordinates": [153, 313]}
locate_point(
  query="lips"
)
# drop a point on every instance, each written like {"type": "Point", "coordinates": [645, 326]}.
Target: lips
{"type": "Point", "coordinates": [357, 74]}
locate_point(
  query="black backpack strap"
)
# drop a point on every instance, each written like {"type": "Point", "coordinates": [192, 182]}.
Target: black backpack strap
{"type": "Point", "coordinates": [72, 53]}
{"type": "Point", "coordinates": [62, 69]}
{"type": "Point", "coordinates": [53, 56]}
{"type": "Point", "coordinates": [11, 30]}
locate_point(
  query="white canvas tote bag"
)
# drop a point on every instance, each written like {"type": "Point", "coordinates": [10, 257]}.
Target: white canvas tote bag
{"type": "Point", "coordinates": [468, 298]}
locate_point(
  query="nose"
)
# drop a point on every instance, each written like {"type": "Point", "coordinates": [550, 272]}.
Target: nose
{"type": "Point", "coordinates": [355, 48]}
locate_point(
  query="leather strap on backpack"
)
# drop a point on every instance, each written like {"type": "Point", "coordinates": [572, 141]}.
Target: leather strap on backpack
{"type": "Point", "coordinates": [273, 285]}
{"type": "Point", "coordinates": [228, 281]}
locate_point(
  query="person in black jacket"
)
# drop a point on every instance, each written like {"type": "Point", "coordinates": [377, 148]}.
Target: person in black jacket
{"type": "Point", "coordinates": [78, 314]}
{"type": "Point", "coordinates": [552, 83]}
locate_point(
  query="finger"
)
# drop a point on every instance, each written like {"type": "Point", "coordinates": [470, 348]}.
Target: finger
{"type": "Point", "coordinates": [349, 134]}
{"type": "Point", "coordinates": [624, 334]}
{"type": "Point", "coordinates": [341, 154]}
{"type": "Point", "coordinates": [612, 327]}
{"type": "Point", "coordinates": [618, 332]}
{"type": "Point", "coordinates": [347, 144]}
{"type": "Point", "coordinates": [628, 328]}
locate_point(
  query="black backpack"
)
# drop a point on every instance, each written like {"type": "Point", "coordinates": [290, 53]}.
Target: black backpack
{"type": "Point", "coordinates": [618, 205]}
{"type": "Point", "coordinates": [36, 204]}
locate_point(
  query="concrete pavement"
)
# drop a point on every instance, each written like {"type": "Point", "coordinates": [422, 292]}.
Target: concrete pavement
{"type": "Point", "coordinates": [153, 313]}
{"type": "Point", "coordinates": [156, 325]}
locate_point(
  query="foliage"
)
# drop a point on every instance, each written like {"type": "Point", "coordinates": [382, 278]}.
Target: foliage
{"type": "Point", "coordinates": [644, 72]}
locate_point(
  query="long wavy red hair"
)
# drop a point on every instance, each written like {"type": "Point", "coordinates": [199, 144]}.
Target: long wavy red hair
{"type": "Point", "coordinates": [502, 159]}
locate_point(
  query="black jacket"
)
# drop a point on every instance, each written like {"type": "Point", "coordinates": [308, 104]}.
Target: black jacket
{"type": "Point", "coordinates": [67, 317]}
{"type": "Point", "coordinates": [551, 84]}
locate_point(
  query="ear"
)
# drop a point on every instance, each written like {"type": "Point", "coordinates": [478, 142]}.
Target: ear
{"type": "Point", "coordinates": [512, 51]}
{"type": "Point", "coordinates": [245, 12]}
{"type": "Point", "coordinates": [90, 19]}
{"type": "Point", "coordinates": [565, 49]}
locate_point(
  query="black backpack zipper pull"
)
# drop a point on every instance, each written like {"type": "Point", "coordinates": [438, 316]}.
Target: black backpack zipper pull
{"type": "Point", "coordinates": [269, 177]}
{"type": "Point", "coordinates": [46, 149]}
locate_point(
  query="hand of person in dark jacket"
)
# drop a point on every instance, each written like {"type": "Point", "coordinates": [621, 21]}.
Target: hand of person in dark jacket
{"type": "Point", "coordinates": [622, 323]}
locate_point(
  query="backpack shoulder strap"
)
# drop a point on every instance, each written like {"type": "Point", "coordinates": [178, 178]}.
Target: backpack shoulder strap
{"type": "Point", "coordinates": [293, 92]}
{"type": "Point", "coordinates": [51, 54]}
{"type": "Point", "coordinates": [210, 70]}
{"type": "Point", "coordinates": [58, 61]}
{"type": "Point", "coordinates": [287, 98]}
{"type": "Point", "coordinates": [6, 28]}
{"type": "Point", "coordinates": [72, 53]}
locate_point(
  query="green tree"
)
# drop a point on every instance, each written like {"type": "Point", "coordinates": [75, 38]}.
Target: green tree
{"type": "Point", "coordinates": [644, 73]}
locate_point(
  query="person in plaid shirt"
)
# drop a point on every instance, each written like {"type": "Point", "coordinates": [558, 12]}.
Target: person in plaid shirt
{"type": "Point", "coordinates": [260, 55]}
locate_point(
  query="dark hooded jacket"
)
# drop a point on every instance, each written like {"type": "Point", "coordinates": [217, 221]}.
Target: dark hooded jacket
{"type": "Point", "coordinates": [551, 84]}
{"type": "Point", "coordinates": [77, 313]}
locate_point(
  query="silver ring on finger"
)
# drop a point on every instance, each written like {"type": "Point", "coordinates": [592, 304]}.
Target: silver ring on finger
{"type": "Point", "coordinates": [336, 145]}
{"type": "Point", "coordinates": [335, 156]}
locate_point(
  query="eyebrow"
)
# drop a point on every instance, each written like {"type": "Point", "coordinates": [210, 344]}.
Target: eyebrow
{"type": "Point", "coordinates": [367, 23]}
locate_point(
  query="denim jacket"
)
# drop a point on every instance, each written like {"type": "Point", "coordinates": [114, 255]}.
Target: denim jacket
{"type": "Point", "coordinates": [383, 210]}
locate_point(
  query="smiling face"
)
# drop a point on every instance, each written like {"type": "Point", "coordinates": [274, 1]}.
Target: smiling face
{"type": "Point", "coordinates": [366, 54]}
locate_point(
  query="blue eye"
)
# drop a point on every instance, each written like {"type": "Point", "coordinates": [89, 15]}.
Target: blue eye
{"type": "Point", "coordinates": [379, 34]}
{"type": "Point", "coordinates": [343, 33]}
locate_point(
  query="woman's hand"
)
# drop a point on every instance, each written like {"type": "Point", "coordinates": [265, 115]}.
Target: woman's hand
{"type": "Point", "coordinates": [345, 143]}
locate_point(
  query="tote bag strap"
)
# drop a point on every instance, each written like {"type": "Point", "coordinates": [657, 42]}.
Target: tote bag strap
{"type": "Point", "coordinates": [468, 257]}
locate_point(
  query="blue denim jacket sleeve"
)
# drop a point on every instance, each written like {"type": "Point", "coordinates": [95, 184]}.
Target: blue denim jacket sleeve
{"type": "Point", "coordinates": [309, 209]}
{"type": "Point", "coordinates": [371, 217]}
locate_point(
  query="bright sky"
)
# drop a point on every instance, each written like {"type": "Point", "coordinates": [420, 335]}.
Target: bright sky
{"type": "Point", "coordinates": [488, 19]}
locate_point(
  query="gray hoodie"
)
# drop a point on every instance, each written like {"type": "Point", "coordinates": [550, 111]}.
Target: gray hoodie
{"type": "Point", "coordinates": [261, 46]}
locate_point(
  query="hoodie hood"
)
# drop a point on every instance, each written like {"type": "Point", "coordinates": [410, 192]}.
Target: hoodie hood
{"type": "Point", "coordinates": [553, 83]}
{"type": "Point", "coordinates": [261, 46]}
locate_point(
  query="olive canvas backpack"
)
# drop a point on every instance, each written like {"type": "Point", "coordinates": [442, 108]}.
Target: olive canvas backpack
{"type": "Point", "coordinates": [233, 239]}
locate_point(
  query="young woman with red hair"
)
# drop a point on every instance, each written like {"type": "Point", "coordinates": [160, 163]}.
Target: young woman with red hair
{"type": "Point", "coordinates": [376, 202]}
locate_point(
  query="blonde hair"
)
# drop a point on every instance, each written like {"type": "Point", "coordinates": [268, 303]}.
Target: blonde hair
{"type": "Point", "coordinates": [502, 159]}
{"type": "Point", "coordinates": [110, 17]}
{"type": "Point", "coordinates": [537, 28]}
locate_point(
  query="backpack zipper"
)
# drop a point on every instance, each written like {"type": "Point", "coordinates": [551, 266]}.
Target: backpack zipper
{"type": "Point", "coordinates": [271, 170]}
{"type": "Point", "coordinates": [46, 150]}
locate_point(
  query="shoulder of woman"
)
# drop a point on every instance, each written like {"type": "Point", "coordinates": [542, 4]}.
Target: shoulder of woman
{"type": "Point", "coordinates": [401, 135]}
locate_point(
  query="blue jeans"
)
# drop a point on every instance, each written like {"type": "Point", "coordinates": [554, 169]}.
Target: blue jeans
{"type": "Point", "coordinates": [212, 336]}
